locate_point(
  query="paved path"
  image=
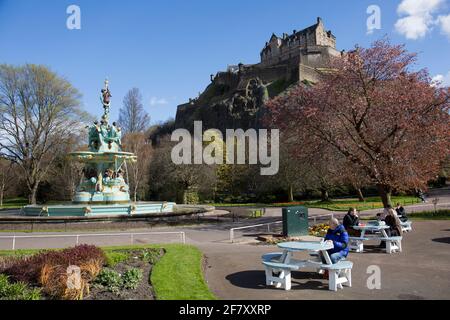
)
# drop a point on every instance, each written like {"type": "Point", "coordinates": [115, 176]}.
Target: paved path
{"type": "Point", "coordinates": [234, 271]}
{"type": "Point", "coordinates": [421, 271]}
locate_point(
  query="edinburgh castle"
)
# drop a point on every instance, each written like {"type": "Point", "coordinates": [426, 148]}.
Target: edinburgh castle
{"type": "Point", "coordinates": [236, 97]}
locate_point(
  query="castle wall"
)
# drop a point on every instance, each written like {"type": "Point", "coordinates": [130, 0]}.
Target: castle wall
{"type": "Point", "coordinates": [227, 78]}
{"type": "Point", "coordinates": [315, 57]}
{"type": "Point", "coordinates": [324, 37]}
{"type": "Point", "coordinates": [268, 74]}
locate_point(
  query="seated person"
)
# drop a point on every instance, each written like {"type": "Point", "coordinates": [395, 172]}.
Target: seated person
{"type": "Point", "coordinates": [395, 225]}
{"type": "Point", "coordinates": [339, 237]}
{"type": "Point", "coordinates": [401, 213]}
{"type": "Point", "coordinates": [382, 216]}
{"type": "Point", "coordinates": [351, 219]}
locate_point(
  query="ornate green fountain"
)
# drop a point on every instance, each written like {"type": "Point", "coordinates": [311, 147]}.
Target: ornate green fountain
{"type": "Point", "coordinates": [103, 189]}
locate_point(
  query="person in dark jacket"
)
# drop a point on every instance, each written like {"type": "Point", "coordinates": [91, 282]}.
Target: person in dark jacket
{"type": "Point", "coordinates": [421, 196]}
{"type": "Point", "coordinates": [351, 219]}
{"type": "Point", "coordinates": [401, 213]}
{"type": "Point", "coordinates": [394, 223]}
{"type": "Point", "coordinates": [339, 236]}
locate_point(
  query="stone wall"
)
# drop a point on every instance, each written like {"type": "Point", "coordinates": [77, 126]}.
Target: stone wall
{"type": "Point", "coordinates": [313, 58]}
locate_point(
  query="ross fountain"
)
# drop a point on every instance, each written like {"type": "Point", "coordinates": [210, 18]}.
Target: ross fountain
{"type": "Point", "coordinates": [103, 190]}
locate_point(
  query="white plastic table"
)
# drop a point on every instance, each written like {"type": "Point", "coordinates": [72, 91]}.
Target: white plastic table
{"type": "Point", "coordinates": [373, 228]}
{"type": "Point", "coordinates": [338, 274]}
{"type": "Point", "coordinates": [290, 247]}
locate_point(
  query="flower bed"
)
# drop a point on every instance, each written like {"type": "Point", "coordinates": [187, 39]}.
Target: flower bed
{"type": "Point", "coordinates": [319, 230]}
{"type": "Point", "coordinates": [78, 273]}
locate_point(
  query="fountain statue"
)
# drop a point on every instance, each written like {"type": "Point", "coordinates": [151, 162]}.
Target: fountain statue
{"type": "Point", "coordinates": [103, 180]}
{"type": "Point", "coordinates": [102, 189]}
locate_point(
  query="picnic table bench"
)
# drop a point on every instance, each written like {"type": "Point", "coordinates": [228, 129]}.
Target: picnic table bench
{"type": "Point", "coordinates": [378, 232]}
{"type": "Point", "coordinates": [356, 243]}
{"type": "Point", "coordinates": [278, 265]}
{"type": "Point", "coordinates": [406, 226]}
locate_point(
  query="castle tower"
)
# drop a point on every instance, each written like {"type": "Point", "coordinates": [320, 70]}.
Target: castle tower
{"type": "Point", "coordinates": [288, 48]}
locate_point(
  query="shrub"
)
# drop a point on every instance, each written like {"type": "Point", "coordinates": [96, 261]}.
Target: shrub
{"type": "Point", "coordinates": [50, 270]}
{"type": "Point", "coordinates": [131, 278]}
{"type": "Point", "coordinates": [113, 282]}
{"type": "Point", "coordinates": [110, 280]}
{"type": "Point", "coordinates": [115, 257]}
{"type": "Point", "coordinates": [17, 291]}
{"type": "Point", "coordinates": [150, 256]}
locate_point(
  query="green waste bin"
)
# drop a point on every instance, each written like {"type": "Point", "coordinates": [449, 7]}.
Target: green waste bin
{"type": "Point", "coordinates": [295, 221]}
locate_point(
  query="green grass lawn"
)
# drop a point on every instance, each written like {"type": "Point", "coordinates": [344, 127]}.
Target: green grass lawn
{"type": "Point", "coordinates": [177, 275]}
{"type": "Point", "coordinates": [14, 203]}
{"type": "Point", "coordinates": [334, 205]}
{"type": "Point", "coordinates": [443, 214]}
{"type": "Point", "coordinates": [17, 203]}
{"type": "Point", "coordinates": [369, 203]}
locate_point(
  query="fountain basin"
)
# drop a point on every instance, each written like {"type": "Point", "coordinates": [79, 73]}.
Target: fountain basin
{"type": "Point", "coordinates": [97, 210]}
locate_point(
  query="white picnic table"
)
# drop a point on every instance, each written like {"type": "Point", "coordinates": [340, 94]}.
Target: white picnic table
{"type": "Point", "coordinates": [373, 229]}
{"type": "Point", "coordinates": [377, 230]}
{"type": "Point", "coordinates": [290, 247]}
{"type": "Point", "coordinates": [339, 273]}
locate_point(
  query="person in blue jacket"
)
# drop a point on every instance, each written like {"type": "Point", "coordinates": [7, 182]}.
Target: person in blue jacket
{"type": "Point", "coordinates": [339, 236]}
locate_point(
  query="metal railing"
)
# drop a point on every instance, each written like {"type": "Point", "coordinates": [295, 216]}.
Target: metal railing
{"type": "Point", "coordinates": [251, 227]}
{"type": "Point", "coordinates": [314, 218]}
{"type": "Point", "coordinates": [77, 237]}
{"type": "Point", "coordinates": [232, 230]}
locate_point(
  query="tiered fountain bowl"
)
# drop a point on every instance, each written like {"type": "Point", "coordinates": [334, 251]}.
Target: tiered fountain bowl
{"type": "Point", "coordinates": [103, 190]}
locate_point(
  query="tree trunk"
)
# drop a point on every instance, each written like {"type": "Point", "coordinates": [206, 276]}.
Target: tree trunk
{"type": "Point", "coordinates": [135, 193]}
{"type": "Point", "coordinates": [33, 194]}
{"type": "Point", "coordinates": [325, 196]}
{"type": "Point", "coordinates": [291, 193]}
{"type": "Point", "coordinates": [385, 194]}
{"type": "Point", "coordinates": [184, 196]}
{"type": "Point", "coordinates": [360, 195]}
{"type": "Point", "coordinates": [2, 191]}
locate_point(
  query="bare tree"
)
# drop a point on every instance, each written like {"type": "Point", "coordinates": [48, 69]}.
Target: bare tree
{"type": "Point", "coordinates": [8, 176]}
{"type": "Point", "coordinates": [138, 171]}
{"type": "Point", "coordinates": [288, 176]}
{"type": "Point", "coordinates": [181, 182]}
{"type": "Point", "coordinates": [38, 112]}
{"type": "Point", "coordinates": [65, 174]}
{"type": "Point", "coordinates": [132, 116]}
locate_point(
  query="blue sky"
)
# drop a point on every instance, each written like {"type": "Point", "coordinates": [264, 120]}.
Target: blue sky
{"type": "Point", "coordinates": [169, 48]}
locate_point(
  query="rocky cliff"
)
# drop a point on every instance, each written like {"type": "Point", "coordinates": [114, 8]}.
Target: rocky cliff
{"type": "Point", "coordinates": [236, 98]}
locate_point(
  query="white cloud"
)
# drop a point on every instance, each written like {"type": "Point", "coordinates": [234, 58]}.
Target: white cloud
{"type": "Point", "coordinates": [418, 7]}
{"type": "Point", "coordinates": [419, 17]}
{"type": "Point", "coordinates": [443, 80]}
{"type": "Point", "coordinates": [154, 101]}
{"type": "Point", "coordinates": [444, 22]}
{"type": "Point", "coordinates": [413, 27]}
